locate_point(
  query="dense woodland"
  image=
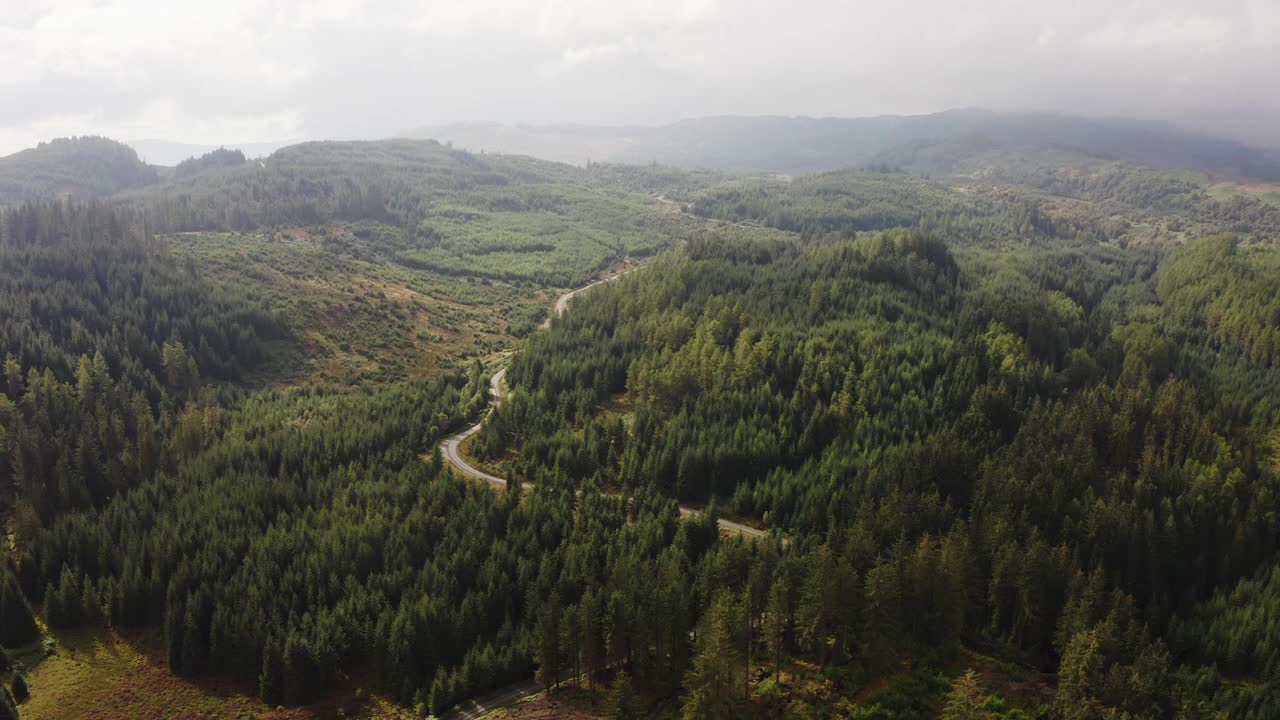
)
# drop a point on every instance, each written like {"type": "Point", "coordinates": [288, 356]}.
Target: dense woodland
{"type": "Point", "coordinates": [988, 424]}
{"type": "Point", "coordinates": [504, 218]}
{"type": "Point", "coordinates": [1089, 434]}
{"type": "Point", "coordinates": [222, 158]}
{"type": "Point", "coordinates": [106, 342]}
{"type": "Point", "coordinates": [997, 195]}
{"type": "Point", "coordinates": [85, 167]}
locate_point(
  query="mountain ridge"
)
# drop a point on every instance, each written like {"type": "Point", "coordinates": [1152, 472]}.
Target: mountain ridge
{"type": "Point", "coordinates": [800, 144]}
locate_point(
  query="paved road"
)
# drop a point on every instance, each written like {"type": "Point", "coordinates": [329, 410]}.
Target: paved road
{"type": "Point", "coordinates": [562, 302]}
{"type": "Point", "coordinates": [450, 446]}
{"type": "Point", "coordinates": [452, 443]}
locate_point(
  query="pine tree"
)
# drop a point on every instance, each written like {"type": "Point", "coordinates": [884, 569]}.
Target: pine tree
{"type": "Point", "coordinates": [1079, 675]}
{"type": "Point", "coordinates": [776, 624]}
{"type": "Point", "coordinates": [8, 708]}
{"type": "Point", "coordinates": [711, 680]}
{"type": "Point", "coordinates": [19, 689]}
{"type": "Point", "coordinates": [195, 646]}
{"type": "Point", "coordinates": [17, 623]}
{"type": "Point", "coordinates": [592, 639]}
{"type": "Point", "coordinates": [440, 699]}
{"type": "Point", "coordinates": [65, 601]}
{"type": "Point", "coordinates": [90, 603]}
{"type": "Point", "coordinates": [549, 644]}
{"type": "Point", "coordinates": [623, 703]}
{"type": "Point", "coordinates": [174, 617]}
{"type": "Point", "coordinates": [821, 600]}
{"type": "Point", "coordinates": [882, 615]}
{"type": "Point", "coordinates": [964, 701]}
{"type": "Point", "coordinates": [571, 641]}
{"type": "Point", "coordinates": [270, 682]}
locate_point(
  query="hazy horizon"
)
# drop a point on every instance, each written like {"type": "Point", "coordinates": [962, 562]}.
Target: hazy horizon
{"type": "Point", "coordinates": [235, 73]}
{"type": "Point", "coordinates": [166, 151]}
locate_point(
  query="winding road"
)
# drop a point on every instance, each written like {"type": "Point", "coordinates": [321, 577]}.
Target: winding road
{"type": "Point", "coordinates": [451, 446]}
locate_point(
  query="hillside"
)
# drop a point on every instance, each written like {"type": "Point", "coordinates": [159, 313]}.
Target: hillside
{"type": "Point", "coordinates": [436, 209]}
{"type": "Point", "coordinates": [1000, 193]}
{"type": "Point", "coordinates": [1029, 447]}
{"type": "Point", "coordinates": [796, 145]}
{"type": "Point", "coordinates": [1016, 417]}
{"type": "Point", "coordinates": [82, 167]}
{"type": "Point", "coordinates": [168, 153]}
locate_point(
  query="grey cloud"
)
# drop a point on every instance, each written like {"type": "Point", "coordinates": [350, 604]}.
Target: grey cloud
{"type": "Point", "coordinates": [238, 70]}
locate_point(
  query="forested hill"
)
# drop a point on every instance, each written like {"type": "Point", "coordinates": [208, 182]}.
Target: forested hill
{"type": "Point", "coordinates": [316, 182]}
{"type": "Point", "coordinates": [1000, 193]}
{"type": "Point", "coordinates": [1035, 452]}
{"type": "Point", "coordinates": [795, 145]}
{"type": "Point", "coordinates": [428, 207]}
{"type": "Point", "coordinates": [211, 161]}
{"type": "Point", "coordinates": [83, 167]}
{"type": "Point", "coordinates": [1019, 417]}
{"type": "Point", "coordinates": [109, 339]}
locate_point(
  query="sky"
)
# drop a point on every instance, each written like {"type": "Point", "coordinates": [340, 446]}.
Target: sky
{"type": "Point", "coordinates": [239, 71]}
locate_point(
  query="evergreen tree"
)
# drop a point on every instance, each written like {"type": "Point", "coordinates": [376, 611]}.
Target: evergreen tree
{"type": "Point", "coordinates": [882, 615]}
{"type": "Point", "coordinates": [964, 701]}
{"type": "Point", "coordinates": [623, 703]}
{"type": "Point", "coordinates": [17, 623]}
{"type": "Point", "coordinates": [549, 645]}
{"type": "Point", "coordinates": [1079, 678]}
{"type": "Point", "coordinates": [776, 624]}
{"type": "Point", "coordinates": [270, 682]}
{"type": "Point", "coordinates": [712, 681]}
{"type": "Point", "coordinates": [589, 626]}
{"type": "Point", "coordinates": [8, 708]}
{"type": "Point", "coordinates": [571, 641]}
{"type": "Point", "coordinates": [19, 689]}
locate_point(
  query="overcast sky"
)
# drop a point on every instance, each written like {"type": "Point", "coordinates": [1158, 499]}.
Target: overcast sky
{"type": "Point", "coordinates": [232, 71]}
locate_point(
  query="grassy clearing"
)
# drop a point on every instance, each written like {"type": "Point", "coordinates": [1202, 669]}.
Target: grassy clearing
{"type": "Point", "coordinates": [1225, 191]}
{"type": "Point", "coordinates": [100, 674]}
{"type": "Point", "coordinates": [564, 704]}
{"type": "Point", "coordinates": [1018, 686]}
{"type": "Point", "coordinates": [364, 319]}
{"type": "Point", "coordinates": [103, 674]}
{"type": "Point", "coordinates": [803, 690]}
{"type": "Point", "coordinates": [553, 235]}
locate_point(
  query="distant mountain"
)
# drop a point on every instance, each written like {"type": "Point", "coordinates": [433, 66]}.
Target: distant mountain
{"type": "Point", "coordinates": [574, 144]}
{"type": "Point", "coordinates": [167, 153]}
{"type": "Point", "coordinates": [316, 182]}
{"type": "Point", "coordinates": [83, 167]}
{"type": "Point", "coordinates": [798, 145]}
{"type": "Point", "coordinates": [220, 159]}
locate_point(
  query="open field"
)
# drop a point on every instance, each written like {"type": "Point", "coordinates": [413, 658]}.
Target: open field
{"type": "Point", "coordinates": [356, 319]}
{"type": "Point", "coordinates": [540, 707]}
{"type": "Point", "coordinates": [109, 676]}
{"type": "Point", "coordinates": [1226, 190]}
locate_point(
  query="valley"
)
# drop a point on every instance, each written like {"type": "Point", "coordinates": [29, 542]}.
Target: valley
{"type": "Point", "coordinates": [375, 429]}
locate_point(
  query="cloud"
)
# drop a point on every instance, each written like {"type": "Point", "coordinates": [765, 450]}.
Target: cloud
{"type": "Point", "coordinates": [241, 70]}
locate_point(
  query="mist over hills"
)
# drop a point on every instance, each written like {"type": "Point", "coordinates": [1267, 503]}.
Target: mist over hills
{"type": "Point", "coordinates": [78, 167]}
{"type": "Point", "coordinates": [166, 152]}
{"type": "Point", "coordinates": [797, 145]}
{"type": "Point", "coordinates": [993, 384]}
{"type": "Point", "coordinates": [945, 143]}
